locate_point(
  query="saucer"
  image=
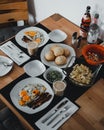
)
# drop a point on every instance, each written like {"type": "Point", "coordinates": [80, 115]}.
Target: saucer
{"type": "Point", "coordinates": [57, 35]}
{"type": "Point", "coordinates": [34, 68]}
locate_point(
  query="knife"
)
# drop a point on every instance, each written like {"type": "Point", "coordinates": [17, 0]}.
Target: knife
{"type": "Point", "coordinates": [52, 113]}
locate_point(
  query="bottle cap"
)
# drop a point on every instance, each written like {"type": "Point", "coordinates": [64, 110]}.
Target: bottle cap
{"type": "Point", "coordinates": [96, 16]}
{"type": "Point", "coordinates": [88, 7]}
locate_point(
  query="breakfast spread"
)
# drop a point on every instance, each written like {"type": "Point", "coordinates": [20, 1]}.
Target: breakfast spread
{"type": "Point", "coordinates": [33, 36]}
{"type": "Point", "coordinates": [58, 54]}
{"type": "Point", "coordinates": [33, 95]}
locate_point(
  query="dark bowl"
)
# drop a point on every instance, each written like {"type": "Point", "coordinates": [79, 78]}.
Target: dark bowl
{"type": "Point", "coordinates": [94, 71]}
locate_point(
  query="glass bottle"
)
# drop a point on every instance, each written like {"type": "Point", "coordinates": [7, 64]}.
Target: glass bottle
{"type": "Point", "coordinates": [101, 35]}
{"type": "Point", "coordinates": [93, 33]}
{"type": "Point", "coordinates": [85, 23]}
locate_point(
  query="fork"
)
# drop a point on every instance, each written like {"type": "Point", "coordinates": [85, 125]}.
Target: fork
{"type": "Point", "coordinates": [18, 53]}
{"type": "Point", "coordinates": [63, 110]}
{"type": "Point", "coordinates": [66, 115]}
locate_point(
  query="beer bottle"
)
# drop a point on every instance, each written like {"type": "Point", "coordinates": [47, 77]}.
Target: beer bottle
{"type": "Point", "coordinates": [85, 23]}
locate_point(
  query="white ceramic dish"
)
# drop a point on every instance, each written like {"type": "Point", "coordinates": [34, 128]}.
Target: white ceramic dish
{"type": "Point", "coordinates": [5, 69]}
{"type": "Point", "coordinates": [57, 35]}
{"type": "Point", "coordinates": [52, 63]}
{"type": "Point", "coordinates": [51, 69]}
{"type": "Point", "coordinates": [14, 94]}
{"type": "Point", "coordinates": [21, 33]}
{"type": "Point", "coordinates": [34, 68]}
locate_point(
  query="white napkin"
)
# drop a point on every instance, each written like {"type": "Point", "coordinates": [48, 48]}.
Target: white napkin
{"type": "Point", "coordinates": [59, 120]}
{"type": "Point", "coordinates": [16, 54]}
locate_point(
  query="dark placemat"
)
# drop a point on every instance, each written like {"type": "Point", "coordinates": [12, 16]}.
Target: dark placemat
{"type": "Point", "coordinates": [72, 91]}
{"type": "Point", "coordinates": [37, 56]}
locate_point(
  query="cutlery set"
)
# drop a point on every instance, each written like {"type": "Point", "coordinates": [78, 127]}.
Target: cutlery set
{"type": "Point", "coordinates": [16, 54]}
{"type": "Point", "coordinates": [53, 112]}
{"type": "Point", "coordinates": [13, 48]}
{"type": "Point", "coordinates": [63, 110]}
{"type": "Point", "coordinates": [57, 115]}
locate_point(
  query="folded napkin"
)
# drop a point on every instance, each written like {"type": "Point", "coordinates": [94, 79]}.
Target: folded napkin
{"type": "Point", "coordinates": [15, 53]}
{"type": "Point", "coordinates": [57, 115]}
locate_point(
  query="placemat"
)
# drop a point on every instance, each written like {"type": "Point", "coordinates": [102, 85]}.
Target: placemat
{"type": "Point", "coordinates": [72, 92]}
{"type": "Point", "coordinates": [37, 56]}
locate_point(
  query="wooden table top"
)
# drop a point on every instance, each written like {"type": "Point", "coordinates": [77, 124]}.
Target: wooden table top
{"type": "Point", "coordinates": [91, 114]}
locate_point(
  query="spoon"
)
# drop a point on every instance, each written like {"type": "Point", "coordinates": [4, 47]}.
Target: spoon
{"type": "Point", "coordinates": [6, 64]}
{"type": "Point", "coordinates": [95, 73]}
{"type": "Point", "coordinates": [64, 69]}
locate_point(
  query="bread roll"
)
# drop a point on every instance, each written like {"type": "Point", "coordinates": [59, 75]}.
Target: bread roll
{"type": "Point", "coordinates": [66, 52]}
{"type": "Point", "coordinates": [58, 51]}
{"type": "Point", "coordinates": [49, 56]}
{"type": "Point", "coordinates": [60, 60]}
{"type": "Point", "coordinates": [53, 47]}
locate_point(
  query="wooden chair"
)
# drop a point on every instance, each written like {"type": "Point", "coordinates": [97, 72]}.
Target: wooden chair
{"type": "Point", "coordinates": [13, 11]}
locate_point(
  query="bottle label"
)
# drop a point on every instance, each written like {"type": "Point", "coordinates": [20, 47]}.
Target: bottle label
{"type": "Point", "coordinates": [92, 38]}
{"type": "Point", "coordinates": [83, 33]}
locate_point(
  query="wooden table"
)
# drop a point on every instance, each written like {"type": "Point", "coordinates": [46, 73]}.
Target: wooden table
{"type": "Point", "coordinates": [91, 114]}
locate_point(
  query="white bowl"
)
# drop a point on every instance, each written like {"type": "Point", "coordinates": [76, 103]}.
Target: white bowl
{"type": "Point", "coordinates": [34, 68]}
{"type": "Point", "coordinates": [57, 35]}
{"type": "Point", "coordinates": [57, 73]}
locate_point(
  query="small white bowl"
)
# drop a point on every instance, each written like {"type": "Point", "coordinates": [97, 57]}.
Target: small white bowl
{"type": "Point", "coordinates": [53, 70]}
{"type": "Point", "coordinates": [57, 35]}
{"type": "Point", "coordinates": [34, 68]}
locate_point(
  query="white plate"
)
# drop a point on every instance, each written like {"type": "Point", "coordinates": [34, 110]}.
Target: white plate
{"type": "Point", "coordinates": [52, 63]}
{"type": "Point", "coordinates": [57, 35]}
{"type": "Point", "coordinates": [34, 68]}
{"type": "Point", "coordinates": [20, 35]}
{"type": "Point", "coordinates": [3, 69]}
{"type": "Point", "coordinates": [14, 94]}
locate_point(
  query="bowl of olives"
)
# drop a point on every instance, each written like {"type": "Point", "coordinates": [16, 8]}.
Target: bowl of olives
{"type": "Point", "coordinates": [53, 73]}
